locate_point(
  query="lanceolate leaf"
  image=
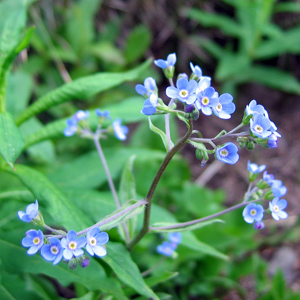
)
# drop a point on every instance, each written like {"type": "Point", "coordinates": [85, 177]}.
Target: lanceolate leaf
{"type": "Point", "coordinates": [81, 88]}
{"type": "Point", "coordinates": [11, 140]}
{"type": "Point", "coordinates": [118, 258]}
{"type": "Point", "coordinates": [161, 134]}
{"type": "Point", "coordinates": [62, 210]}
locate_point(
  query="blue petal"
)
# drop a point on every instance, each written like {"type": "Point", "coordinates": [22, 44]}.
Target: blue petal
{"type": "Point", "coordinates": [102, 238]}
{"type": "Point", "coordinates": [171, 59]}
{"type": "Point", "coordinates": [172, 92]}
{"type": "Point", "coordinates": [148, 110]}
{"type": "Point", "coordinates": [100, 251]}
{"type": "Point", "coordinates": [161, 63]}
{"type": "Point", "coordinates": [72, 235]}
{"type": "Point", "coordinates": [182, 84]}
{"type": "Point", "coordinates": [140, 89]}
{"type": "Point", "coordinates": [47, 254]}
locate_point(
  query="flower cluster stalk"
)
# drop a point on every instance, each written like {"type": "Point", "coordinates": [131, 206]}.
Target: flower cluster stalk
{"type": "Point", "coordinates": [154, 184]}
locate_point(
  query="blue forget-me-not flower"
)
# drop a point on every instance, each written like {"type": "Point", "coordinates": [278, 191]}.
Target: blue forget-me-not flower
{"type": "Point", "coordinates": [228, 153]}
{"type": "Point", "coordinates": [277, 207]}
{"type": "Point", "coordinates": [148, 88]}
{"type": "Point", "coordinates": [94, 241]}
{"type": "Point", "coordinates": [253, 212]}
{"type": "Point", "coordinates": [34, 240]}
{"type": "Point", "coordinates": [30, 213]}
{"type": "Point", "coordinates": [184, 91]}
{"type": "Point", "coordinates": [120, 130]}
{"type": "Point", "coordinates": [53, 251]}
{"type": "Point", "coordinates": [150, 105]}
{"type": "Point", "coordinates": [72, 245]}
{"type": "Point", "coordinates": [206, 100]}
{"type": "Point", "coordinates": [254, 168]}
{"type": "Point", "coordinates": [170, 62]}
{"type": "Point", "coordinates": [225, 107]}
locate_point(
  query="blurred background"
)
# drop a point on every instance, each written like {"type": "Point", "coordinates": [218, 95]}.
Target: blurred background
{"type": "Point", "coordinates": [251, 49]}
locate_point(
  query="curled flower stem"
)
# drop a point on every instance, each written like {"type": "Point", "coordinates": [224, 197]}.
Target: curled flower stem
{"type": "Point", "coordinates": [185, 224]}
{"type": "Point", "coordinates": [144, 230]}
{"type": "Point", "coordinates": [110, 181]}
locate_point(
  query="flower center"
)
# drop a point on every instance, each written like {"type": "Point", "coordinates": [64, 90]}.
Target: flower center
{"type": "Point", "coordinates": [183, 93]}
{"type": "Point", "coordinates": [223, 152]}
{"type": "Point", "coordinates": [36, 240]}
{"type": "Point", "coordinates": [54, 250]}
{"type": "Point", "coordinates": [205, 101]}
{"type": "Point", "coordinates": [276, 208]}
{"type": "Point", "coordinates": [252, 212]}
{"type": "Point", "coordinates": [93, 241]}
{"type": "Point", "coordinates": [219, 107]}
{"type": "Point", "coordinates": [72, 245]}
{"type": "Point", "coordinates": [258, 128]}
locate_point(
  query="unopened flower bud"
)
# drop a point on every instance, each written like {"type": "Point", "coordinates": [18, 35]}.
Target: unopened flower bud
{"type": "Point", "coordinates": [250, 145]}
{"type": "Point", "coordinates": [72, 264]}
{"type": "Point", "coordinates": [85, 262]}
{"type": "Point", "coordinates": [259, 225]}
{"type": "Point", "coordinates": [269, 195]}
{"type": "Point", "coordinates": [182, 75]}
{"type": "Point", "coordinates": [169, 72]}
{"type": "Point", "coordinates": [243, 141]}
{"type": "Point", "coordinates": [261, 184]}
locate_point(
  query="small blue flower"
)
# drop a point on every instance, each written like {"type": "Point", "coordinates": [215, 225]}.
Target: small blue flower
{"type": "Point", "coordinates": [148, 88]}
{"type": "Point", "coordinates": [206, 100]}
{"type": "Point", "coordinates": [175, 237]}
{"type": "Point", "coordinates": [104, 114]}
{"type": "Point", "coordinates": [30, 213]}
{"type": "Point", "coordinates": [225, 107]}
{"type": "Point", "coordinates": [120, 130]}
{"type": "Point", "coordinates": [253, 108]}
{"type": "Point", "coordinates": [184, 91]}
{"type": "Point", "coordinates": [254, 168]}
{"type": "Point", "coordinates": [94, 241]}
{"type": "Point", "coordinates": [196, 70]}
{"type": "Point", "coordinates": [166, 248]}
{"type": "Point", "coordinates": [150, 105]}
{"type": "Point", "coordinates": [277, 207]}
{"type": "Point", "coordinates": [228, 153]}
{"type": "Point", "coordinates": [278, 189]}
{"type": "Point", "coordinates": [71, 127]}
{"type": "Point", "coordinates": [72, 245]}
{"type": "Point", "coordinates": [259, 225]}
{"type": "Point", "coordinates": [53, 251]}
{"type": "Point", "coordinates": [260, 126]}
{"type": "Point", "coordinates": [34, 239]}
{"type": "Point", "coordinates": [253, 212]}
{"type": "Point", "coordinates": [171, 60]}
{"type": "Point", "coordinates": [81, 115]}
{"type": "Point", "coordinates": [268, 178]}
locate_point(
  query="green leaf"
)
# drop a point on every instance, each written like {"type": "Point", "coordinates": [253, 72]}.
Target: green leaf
{"type": "Point", "coordinates": [43, 152]}
{"type": "Point", "coordinates": [124, 217]}
{"type": "Point", "coordinates": [122, 110]}
{"type": "Point", "coordinates": [82, 88]}
{"type": "Point", "coordinates": [292, 7]}
{"type": "Point", "coordinates": [70, 175]}
{"type": "Point", "coordinates": [19, 90]}
{"type": "Point", "coordinates": [188, 238]}
{"type": "Point", "coordinates": [225, 24]}
{"type": "Point", "coordinates": [128, 192]}
{"type": "Point", "coordinates": [274, 78]}
{"type": "Point", "coordinates": [62, 210]}
{"type": "Point", "coordinates": [278, 285]}
{"type": "Point", "coordinates": [118, 258]}
{"type": "Point", "coordinates": [161, 134]}
{"type": "Point", "coordinates": [93, 277]}
{"type": "Point", "coordinates": [138, 42]}
{"type": "Point", "coordinates": [186, 228]}
{"type": "Point", "coordinates": [11, 140]}
{"type": "Point", "coordinates": [165, 276]}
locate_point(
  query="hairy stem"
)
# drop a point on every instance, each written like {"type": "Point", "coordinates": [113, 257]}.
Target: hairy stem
{"type": "Point", "coordinates": [185, 224]}
{"type": "Point", "coordinates": [110, 181]}
{"type": "Point", "coordinates": [154, 184]}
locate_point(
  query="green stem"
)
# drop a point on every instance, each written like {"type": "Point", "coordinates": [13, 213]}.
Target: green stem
{"type": "Point", "coordinates": [189, 223]}
{"type": "Point", "coordinates": [110, 181]}
{"type": "Point", "coordinates": [154, 184]}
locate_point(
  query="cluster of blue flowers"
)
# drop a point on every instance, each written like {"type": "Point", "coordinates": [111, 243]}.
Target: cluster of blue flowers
{"type": "Point", "coordinates": [197, 95]}
{"type": "Point", "coordinates": [275, 190]}
{"type": "Point", "coordinates": [79, 124]}
{"type": "Point", "coordinates": [168, 248]}
{"type": "Point", "coordinates": [69, 248]}
{"type": "Point", "coordinates": [194, 92]}
{"type": "Point", "coordinates": [261, 126]}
